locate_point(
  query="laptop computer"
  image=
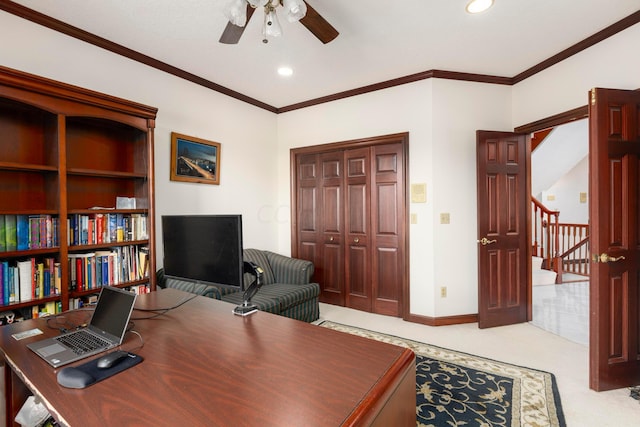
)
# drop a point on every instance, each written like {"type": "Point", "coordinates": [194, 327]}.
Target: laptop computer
{"type": "Point", "coordinates": [105, 330]}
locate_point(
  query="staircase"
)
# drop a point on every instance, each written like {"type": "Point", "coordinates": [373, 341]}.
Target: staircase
{"type": "Point", "coordinates": [557, 248]}
{"type": "Point", "coordinates": [539, 275]}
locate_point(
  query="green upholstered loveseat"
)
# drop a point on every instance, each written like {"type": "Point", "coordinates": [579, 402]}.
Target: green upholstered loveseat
{"type": "Point", "coordinates": [287, 288]}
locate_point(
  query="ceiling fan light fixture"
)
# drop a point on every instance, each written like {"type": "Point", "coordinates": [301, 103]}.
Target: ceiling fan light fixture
{"type": "Point", "coordinates": [294, 9]}
{"type": "Point", "coordinates": [236, 12]}
{"type": "Point", "coordinates": [272, 26]}
{"type": "Point", "coordinates": [478, 6]}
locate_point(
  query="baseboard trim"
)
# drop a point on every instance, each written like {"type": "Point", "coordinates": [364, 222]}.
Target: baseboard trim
{"type": "Point", "coordinates": [442, 321]}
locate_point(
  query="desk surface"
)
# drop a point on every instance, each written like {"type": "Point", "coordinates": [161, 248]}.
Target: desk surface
{"type": "Point", "coordinates": [205, 366]}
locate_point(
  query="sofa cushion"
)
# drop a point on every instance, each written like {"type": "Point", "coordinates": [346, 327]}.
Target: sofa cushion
{"type": "Point", "coordinates": [259, 258]}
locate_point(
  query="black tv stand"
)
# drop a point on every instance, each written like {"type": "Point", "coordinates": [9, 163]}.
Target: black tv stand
{"type": "Point", "coordinates": [247, 308]}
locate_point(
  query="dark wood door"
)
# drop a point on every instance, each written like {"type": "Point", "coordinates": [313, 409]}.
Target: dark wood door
{"type": "Point", "coordinates": [614, 183]}
{"type": "Point", "coordinates": [503, 222]}
{"type": "Point", "coordinates": [349, 203]}
{"type": "Point", "coordinates": [387, 230]}
{"type": "Point", "coordinates": [358, 261]}
{"type": "Point", "coordinates": [332, 220]}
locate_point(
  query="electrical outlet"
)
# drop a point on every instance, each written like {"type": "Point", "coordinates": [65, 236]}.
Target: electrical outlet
{"type": "Point", "coordinates": [443, 292]}
{"type": "Point", "coordinates": [444, 218]}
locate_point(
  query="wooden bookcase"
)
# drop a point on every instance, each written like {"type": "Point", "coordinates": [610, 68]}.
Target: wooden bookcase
{"type": "Point", "coordinates": [66, 154]}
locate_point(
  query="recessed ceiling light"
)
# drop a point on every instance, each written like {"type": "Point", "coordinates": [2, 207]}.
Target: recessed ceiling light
{"type": "Point", "coordinates": [285, 71]}
{"type": "Point", "coordinates": [477, 6]}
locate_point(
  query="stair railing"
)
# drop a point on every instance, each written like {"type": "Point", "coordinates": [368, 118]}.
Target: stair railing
{"type": "Point", "coordinates": [575, 260]}
{"type": "Point", "coordinates": [563, 247]}
{"type": "Point", "coordinates": [546, 234]}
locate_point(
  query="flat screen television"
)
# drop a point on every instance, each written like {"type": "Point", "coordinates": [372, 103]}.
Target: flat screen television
{"type": "Point", "coordinates": [204, 248]}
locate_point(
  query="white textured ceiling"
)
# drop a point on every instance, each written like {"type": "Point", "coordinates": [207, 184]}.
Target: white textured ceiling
{"type": "Point", "coordinates": [379, 40]}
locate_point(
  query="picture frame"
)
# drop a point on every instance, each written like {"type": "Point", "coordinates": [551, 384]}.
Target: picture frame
{"type": "Point", "coordinates": [194, 159]}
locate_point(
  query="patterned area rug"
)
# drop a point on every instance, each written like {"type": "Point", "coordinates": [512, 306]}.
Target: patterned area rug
{"type": "Point", "coordinates": [459, 389]}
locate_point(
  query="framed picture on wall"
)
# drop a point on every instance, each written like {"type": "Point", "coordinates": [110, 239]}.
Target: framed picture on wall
{"type": "Point", "coordinates": [194, 159]}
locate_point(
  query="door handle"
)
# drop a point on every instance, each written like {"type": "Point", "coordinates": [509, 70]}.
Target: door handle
{"type": "Point", "coordinates": [484, 241]}
{"type": "Point", "coordinates": [356, 240]}
{"type": "Point", "coordinates": [605, 258]}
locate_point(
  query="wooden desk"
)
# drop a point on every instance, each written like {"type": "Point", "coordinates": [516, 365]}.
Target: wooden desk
{"type": "Point", "coordinates": [205, 366]}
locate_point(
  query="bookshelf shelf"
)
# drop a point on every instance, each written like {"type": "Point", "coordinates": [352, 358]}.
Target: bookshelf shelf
{"type": "Point", "coordinates": [27, 167]}
{"type": "Point", "coordinates": [106, 175]}
{"type": "Point", "coordinates": [66, 150]}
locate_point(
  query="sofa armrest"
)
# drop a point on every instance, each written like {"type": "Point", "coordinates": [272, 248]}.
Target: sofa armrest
{"type": "Point", "coordinates": [290, 270]}
{"type": "Point", "coordinates": [187, 286]}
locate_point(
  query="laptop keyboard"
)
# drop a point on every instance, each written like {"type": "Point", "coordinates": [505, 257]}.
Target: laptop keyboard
{"type": "Point", "coordinates": [81, 342]}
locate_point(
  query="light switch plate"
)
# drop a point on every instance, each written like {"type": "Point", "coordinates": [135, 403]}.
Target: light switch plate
{"type": "Point", "coordinates": [418, 193]}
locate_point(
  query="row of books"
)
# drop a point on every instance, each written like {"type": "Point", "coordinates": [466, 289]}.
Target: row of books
{"type": "Point", "coordinates": [110, 267]}
{"type": "Point", "coordinates": [24, 232]}
{"type": "Point", "coordinates": [25, 313]}
{"type": "Point", "coordinates": [106, 228]}
{"type": "Point", "coordinates": [29, 279]}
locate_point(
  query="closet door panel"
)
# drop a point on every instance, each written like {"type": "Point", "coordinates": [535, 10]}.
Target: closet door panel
{"type": "Point", "coordinates": [358, 208]}
{"type": "Point", "coordinates": [331, 212]}
{"type": "Point", "coordinates": [387, 231]}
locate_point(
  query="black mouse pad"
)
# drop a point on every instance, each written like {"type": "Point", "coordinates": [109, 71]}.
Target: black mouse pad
{"type": "Point", "coordinates": [84, 375]}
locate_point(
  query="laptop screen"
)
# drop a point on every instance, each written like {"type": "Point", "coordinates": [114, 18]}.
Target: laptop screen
{"type": "Point", "coordinates": [113, 311]}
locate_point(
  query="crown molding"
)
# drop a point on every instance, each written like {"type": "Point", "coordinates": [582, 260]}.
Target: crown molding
{"type": "Point", "coordinates": [56, 25]}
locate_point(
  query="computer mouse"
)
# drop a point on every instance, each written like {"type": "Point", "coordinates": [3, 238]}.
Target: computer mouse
{"type": "Point", "coordinates": [111, 359]}
{"type": "Point", "coordinates": [72, 377]}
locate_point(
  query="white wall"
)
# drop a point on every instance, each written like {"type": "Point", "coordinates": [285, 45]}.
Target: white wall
{"type": "Point", "coordinates": [566, 195]}
{"type": "Point", "coordinates": [248, 171]}
{"type": "Point", "coordinates": [459, 109]}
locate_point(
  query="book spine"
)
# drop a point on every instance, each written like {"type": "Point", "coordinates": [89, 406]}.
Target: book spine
{"type": "Point", "coordinates": [34, 232]}
{"type": "Point", "coordinates": [11, 237]}
{"type": "Point", "coordinates": [24, 272]}
{"type": "Point", "coordinates": [79, 275]}
{"type": "Point", "coordinates": [57, 278]}
{"type": "Point", "coordinates": [48, 225]}
{"type": "Point", "coordinates": [3, 239]}
{"type": "Point", "coordinates": [113, 228]}
{"type": "Point", "coordinates": [42, 224]}
{"type": "Point", "coordinates": [2, 283]}
{"type": "Point", "coordinates": [15, 284]}
{"type": "Point", "coordinates": [119, 228]}
{"type": "Point", "coordinates": [41, 281]}
{"type": "Point", "coordinates": [34, 274]}
{"type": "Point", "coordinates": [22, 232]}
{"type": "Point", "coordinates": [99, 228]}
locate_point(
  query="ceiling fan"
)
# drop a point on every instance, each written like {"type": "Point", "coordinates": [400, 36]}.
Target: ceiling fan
{"type": "Point", "coordinates": [297, 10]}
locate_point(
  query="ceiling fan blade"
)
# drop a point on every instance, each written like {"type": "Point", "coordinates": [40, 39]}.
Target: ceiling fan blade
{"type": "Point", "coordinates": [318, 26]}
{"type": "Point", "coordinates": [232, 33]}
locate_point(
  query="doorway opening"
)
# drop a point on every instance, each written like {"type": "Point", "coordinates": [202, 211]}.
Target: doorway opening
{"type": "Point", "coordinates": [559, 184]}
